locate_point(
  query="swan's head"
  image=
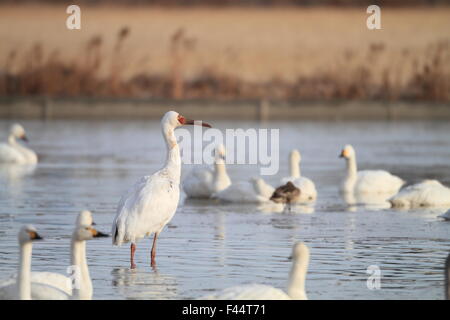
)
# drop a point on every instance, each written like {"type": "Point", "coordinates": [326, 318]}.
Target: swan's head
{"type": "Point", "coordinates": [295, 156]}
{"type": "Point", "coordinates": [300, 251]}
{"type": "Point", "coordinates": [348, 152]}
{"type": "Point", "coordinates": [174, 120]}
{"type": "Point", "coordinates": [87, 232]}
{"type": "Point", "coordinates": [221, 152]}
{"type": "Point", "coordinates": [84, 219]}
{"type": "Point", "coordinates": [18, 132]}
{"type": "Point", "coordinates": [28, 233]}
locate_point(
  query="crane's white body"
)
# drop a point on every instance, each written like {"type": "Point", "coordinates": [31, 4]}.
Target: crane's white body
{"type": "Point", "coordinates": [367, 181]}
{"type": "Point", "coordinates": [307, 187]}
{"type": "Point", "coordinates": [428, 193]}
{"type": "Point", "coordinates": [296, 284]}
{"type": "Point", "coordinates": [202, 181]}
{"type": "Point", "coordinates": [15, 153]}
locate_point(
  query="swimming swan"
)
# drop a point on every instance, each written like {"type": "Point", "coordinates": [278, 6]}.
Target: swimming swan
{"type": "Point", "coordinates": [428, 193]}
{"type": "Point", "coordinates": [307, 187]}
{"type": "Point", "coordinates": [296, 284]}
{"type": "Point", "coordinates": [63, 282]}
{"type": "Point", "coordinates": [202, 182]}
{"type": "Point", "coordinates": [19, 286]}
{"type": "Point", "coordinates": [256, 190]}
{"type": "Point", "coordinates": [367, 181]}
{"type": "Point", "coordinates": [83, 284]}
{"type": "Point", "coordinates": [13, 152]}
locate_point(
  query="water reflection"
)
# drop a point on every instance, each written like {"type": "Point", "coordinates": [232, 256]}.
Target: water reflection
{"type": "Point", "coordinates": [365, 201]}
{"type": "Point", "coordinates": [12, 176]}
{"type": "Point", "coordinates": [144, 284]}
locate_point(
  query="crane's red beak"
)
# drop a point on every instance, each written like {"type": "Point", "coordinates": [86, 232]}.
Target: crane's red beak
{"type": "Point", "coordinates": [197, 122]}
{"type": "Point", "coordinates": [183, 121]}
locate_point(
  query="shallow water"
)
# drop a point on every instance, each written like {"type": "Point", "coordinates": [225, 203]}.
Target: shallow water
{"type": "Point", "coordinates": [209, 246]}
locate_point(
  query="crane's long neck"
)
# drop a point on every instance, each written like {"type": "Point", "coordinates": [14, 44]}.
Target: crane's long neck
{"type": "Point", "coordinates": [295, 168]}
{"type": "Point", "coordinates": [83, 285]}
{"type": "Point", "coordinates": [173, 161]}
{"type": "Point", "coordinates": [24, 280]}
{"type": "Point", "coordinates": [297, 277]}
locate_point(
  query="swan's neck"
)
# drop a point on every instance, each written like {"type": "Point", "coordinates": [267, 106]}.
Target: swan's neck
{"type": "Point", "coordinates": [12, 140]}
{"type": "Point", "coordinates": [297, 277]}
{"type": "Point", "coordinates": [82, 289]}
{"type": "Point", "coordinates": [24, 281]}
{"type": "Point", "coordinates": [295, 168]}
{"type": "Point", "coordinates": [220, 171]}
{"type": "Point", "coordinates": [351, 167]}
{"type": "Point", "coordinates": [173, 161]}
{"type": "Point", "coordinates": [13, 143]}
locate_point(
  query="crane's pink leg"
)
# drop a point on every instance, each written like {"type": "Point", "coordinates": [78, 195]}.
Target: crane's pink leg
{"type": "Point", "coordinates": [153, 255]}
{"type": "Point", "coordinates": [132, 250]}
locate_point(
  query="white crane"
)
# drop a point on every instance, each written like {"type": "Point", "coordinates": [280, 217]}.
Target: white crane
{"type": "Point", "coordinates": [151, 203]}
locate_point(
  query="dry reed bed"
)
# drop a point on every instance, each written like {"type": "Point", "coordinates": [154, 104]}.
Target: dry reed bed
{"type": "Point", "coordinates": [251, 60]}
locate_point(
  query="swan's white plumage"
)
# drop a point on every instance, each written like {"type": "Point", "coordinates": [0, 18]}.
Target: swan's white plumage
{"type": "Point", "coordinates": [254, 191]}
{"type": "Point", "coordinates": [249, 292]}
{"type": "Point", "coordinates": [307, 187]}
{"type": "Point", "coordinates": [445, 216]}
{"type": "Point", "coordinates": [428, 193]}
{"type": "Point", "coordinates": [198, 182]}
{"type": "Point", "coordinates": [295, 289]}
{"type": "Point", "coordinates": [203, 181]}
{"type": "Point", "coordinates": [19, 285]}
{"type": "Point", "coordinates": [367, 181]}
{"type": "Point", "coordinates": [13, 152]}
{"type": "Point", "coordinates": [60, 281]}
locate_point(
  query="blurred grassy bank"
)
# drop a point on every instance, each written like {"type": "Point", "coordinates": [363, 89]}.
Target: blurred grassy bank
{"type": "Point", "coordinates": [226, 54]}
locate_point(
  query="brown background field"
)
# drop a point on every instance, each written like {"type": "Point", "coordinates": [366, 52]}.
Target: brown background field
{"type": "Point", "coordinates": [301, 47]}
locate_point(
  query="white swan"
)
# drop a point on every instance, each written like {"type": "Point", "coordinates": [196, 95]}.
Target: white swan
{"type": "Point", "coordinates": [445, 216]}
{"type": "Point", "coordinates": [78, 254]}
{"type": "Point", "coordinates": [19, 286]}
{"type": "Point", "coordinates": [202, 182]}
{"type": "Point", "coordinates": [256, 190]}
{"type": "Point", "coordinates": [428, 193]}
{"type": "Point", "coordinates": [58, 286]}
{"type": "Point", "coordinates": [13, 152]}
{"type": "Point", "coordinates": [151, 203]}
{"type": "Point", "coordinates": [306, 186]}
{"type": "Point", "coordinates": [296, 284]}
{"type": "Point", "coordinates": [367, 181]}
